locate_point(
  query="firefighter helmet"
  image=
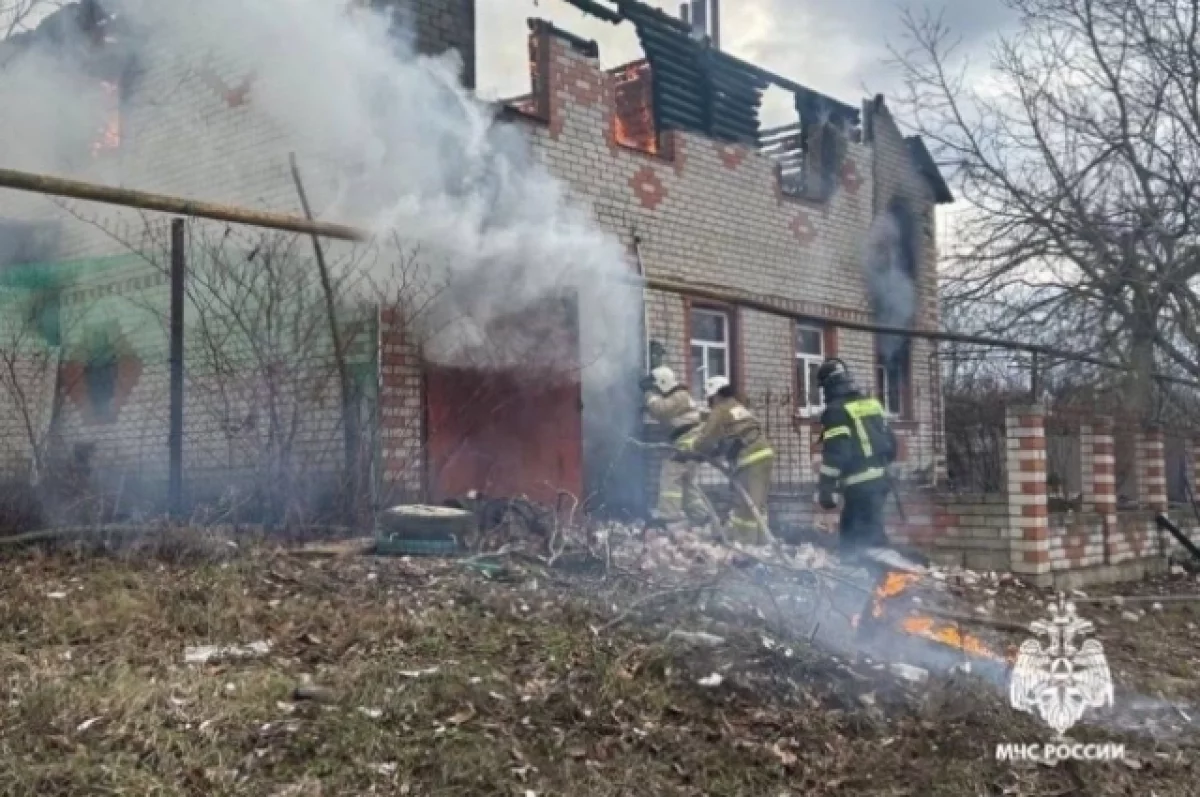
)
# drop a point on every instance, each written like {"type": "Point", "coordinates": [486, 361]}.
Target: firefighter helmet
{"type": "Point", "coordinates": [713, 385]}
{"type": "Point", "coordinates": [664, 379]}
{"type": "Point", "coordinates": [833, 376]}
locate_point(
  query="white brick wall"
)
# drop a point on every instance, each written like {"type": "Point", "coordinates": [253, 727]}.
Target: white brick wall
{"type": "Point", "coordinates": [721, 221]}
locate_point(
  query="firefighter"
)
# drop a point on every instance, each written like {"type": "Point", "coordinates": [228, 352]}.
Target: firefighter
{"type": "Point", "coordinates": [857, 446]}
{"type": "Point", "coordinates": [732, 431]}
{"type": "Point", "coordinates": [669, 403]}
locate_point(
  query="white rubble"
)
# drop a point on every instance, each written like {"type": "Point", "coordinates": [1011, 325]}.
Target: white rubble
{"type": "Point", "coordinates": [202, 654]}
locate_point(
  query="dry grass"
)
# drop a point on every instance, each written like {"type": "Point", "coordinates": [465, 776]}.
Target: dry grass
{"type": "Point", "coordinates": [96, 699]}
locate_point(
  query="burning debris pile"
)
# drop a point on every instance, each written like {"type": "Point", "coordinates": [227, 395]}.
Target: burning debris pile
{"type": "Point", "coordinates": [797, 592]}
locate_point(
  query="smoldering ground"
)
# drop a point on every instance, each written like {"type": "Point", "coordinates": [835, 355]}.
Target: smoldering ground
{"type": "Point", "coordinates": [525, 681]}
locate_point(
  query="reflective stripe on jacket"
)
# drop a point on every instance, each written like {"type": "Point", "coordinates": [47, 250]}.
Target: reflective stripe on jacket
{"type": "Point", "coordinates": [731, 429]}
{"type": "Point", "coordinates": [857, 444]}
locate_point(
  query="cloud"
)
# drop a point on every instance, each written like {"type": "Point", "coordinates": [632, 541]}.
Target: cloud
{"type": "Point", "coordinates": [838, 47]}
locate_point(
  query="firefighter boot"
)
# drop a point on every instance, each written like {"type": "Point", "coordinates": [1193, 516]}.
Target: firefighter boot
{"type": "Point", "coordinates": [671, 486]}
{"type": "Point", "coordinates": [755, 480]}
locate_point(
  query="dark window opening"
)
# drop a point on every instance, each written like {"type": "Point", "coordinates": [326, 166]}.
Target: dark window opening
{"type": "Point", "coordinates": [893, 374]}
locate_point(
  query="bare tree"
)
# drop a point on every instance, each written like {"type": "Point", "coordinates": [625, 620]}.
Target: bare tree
{"type": "Point", "coordinates": [28, 364]}
{"type": "Point", "coordinates": [17, 16]}
{"type": "Point", "coordinates": [1078, 157]}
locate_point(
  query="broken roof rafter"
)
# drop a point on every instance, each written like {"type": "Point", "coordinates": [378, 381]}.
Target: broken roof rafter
{"type": "Point", "coordinates": [697, 87]}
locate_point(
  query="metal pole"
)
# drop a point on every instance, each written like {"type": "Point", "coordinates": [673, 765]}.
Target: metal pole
{"type": "Point", "coordinates": [1035, 378]}
{"type": "Point", "coordinates": [92, 192]}
{"type": "Point", "coordinates": [73, 189]}
{"type": "Point", "coordinates": [175, 438]}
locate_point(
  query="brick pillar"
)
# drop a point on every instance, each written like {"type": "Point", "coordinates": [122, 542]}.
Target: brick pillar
{"type": "Point", "coordinates": [1152, 469]}
{"type": "Point", "coordinates": [1028, 518]}
{"type": "Point", "coordinates": [1099, 465]}
{"type": "Point", "coordinates": [399, 411]}
{"type": "Point", "coordinates": [1098, 462]}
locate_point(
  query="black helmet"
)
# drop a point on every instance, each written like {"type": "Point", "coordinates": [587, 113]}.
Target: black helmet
{"type": "Point", "coordinates": [833, 377]}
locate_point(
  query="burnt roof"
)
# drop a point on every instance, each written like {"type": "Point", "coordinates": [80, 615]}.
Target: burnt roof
{"type": "Point", "coordinates": [929, 170]}
{"type": "Point", "coordinates": [699, 88]}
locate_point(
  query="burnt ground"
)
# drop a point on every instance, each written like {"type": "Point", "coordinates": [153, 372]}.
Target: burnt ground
{"type": "Point", "coordinates": [429, 677]}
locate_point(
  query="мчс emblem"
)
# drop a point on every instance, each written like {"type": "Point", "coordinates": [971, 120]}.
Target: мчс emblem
{"type": "Point", "coordinates": [1062, 679]}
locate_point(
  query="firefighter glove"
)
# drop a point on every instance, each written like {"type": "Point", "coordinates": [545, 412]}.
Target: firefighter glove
{"type": "Point", "coordinates": [827, 500]}
{"type": "Point", "coordinates": [646, 383]}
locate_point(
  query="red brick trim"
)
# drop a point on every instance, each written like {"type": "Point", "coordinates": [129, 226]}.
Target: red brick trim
{"type": "Point", "coordinates": [687, 341]}
{"type": "Point", "coordinates": [738, 355]}
{"type": "Point", "coordinates": [831, 340]}
{"type": "Point", "coordinates": [731, 155]}
{"type": "Point", "coordinates": [648, 187]}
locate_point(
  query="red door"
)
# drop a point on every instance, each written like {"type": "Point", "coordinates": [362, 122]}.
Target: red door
{"type": "Point", "coordinates": [509, 432]}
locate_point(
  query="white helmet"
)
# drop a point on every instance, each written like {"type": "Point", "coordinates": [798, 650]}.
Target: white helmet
{"type": "Point", "coordinates": [713, 385]}
{"type": "Point", "coordinates": [664, 379]}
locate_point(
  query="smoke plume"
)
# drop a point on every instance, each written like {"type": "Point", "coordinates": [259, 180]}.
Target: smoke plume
{"type": "Point", "coordinates": [389, 139]}
{"type": "Point", "coordinates": [890, 267]}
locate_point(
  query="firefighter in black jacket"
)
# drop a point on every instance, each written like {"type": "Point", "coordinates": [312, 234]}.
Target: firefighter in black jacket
{"type": "Point", "coordinates": [857, 447]}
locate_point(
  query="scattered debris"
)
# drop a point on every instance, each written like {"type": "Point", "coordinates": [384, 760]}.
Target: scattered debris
{"type": "Point", "coordinates": [88, 723]}
{"type": "Point", "coordinates": [317, 694]}
{"type": "Point", "coordinates": [698, 638]}
{"type": "Point", "coordinates": [203, 654]}
{"type": "Point", "coordinates": [1132, 617]}
{"type": "Point", "coordinates": [909, 673]}
{"type": "Point", "coordinates": [546, 706]}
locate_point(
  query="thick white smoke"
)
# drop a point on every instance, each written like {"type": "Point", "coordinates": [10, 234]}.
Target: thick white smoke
{"type": "Point", "coordinates": [414, 156]}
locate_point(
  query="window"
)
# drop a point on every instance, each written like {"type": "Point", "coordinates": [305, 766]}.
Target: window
{"type": "Point", "coordinates": [891, 377]}
{"type": "Point", "coordinates": [810, 353]}
{"type": "Point", "coordinates": [711, 348]}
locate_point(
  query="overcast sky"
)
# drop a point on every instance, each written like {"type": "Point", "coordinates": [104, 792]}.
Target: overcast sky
{"type": "Point", "coordinates": [838, 47]}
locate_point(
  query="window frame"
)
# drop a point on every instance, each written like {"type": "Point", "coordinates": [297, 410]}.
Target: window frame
{"type": "Point", "coordinates": [883, 386]}
{"type": "Point", "coordinates": [807, 409]}
{"type": "Point", "coordinates": [693, 378]}
{"type": "Point", "coordinates": [829, 348]}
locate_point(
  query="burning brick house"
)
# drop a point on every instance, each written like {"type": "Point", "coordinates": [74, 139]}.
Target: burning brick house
{"type": "Point", "coordinates": [754, 243]}
{"type": "Point", "coordinates": [700, 196]}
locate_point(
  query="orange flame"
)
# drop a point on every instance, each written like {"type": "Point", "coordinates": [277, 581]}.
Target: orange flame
{"type": "Point", "coordinates": [892, 585]}
{"type": "Point", "coordinates": [109, 135]}
{"type": "Point", "coordinates": [945, 633]}
{"type": "Point", "coordinates": [633, 121]}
